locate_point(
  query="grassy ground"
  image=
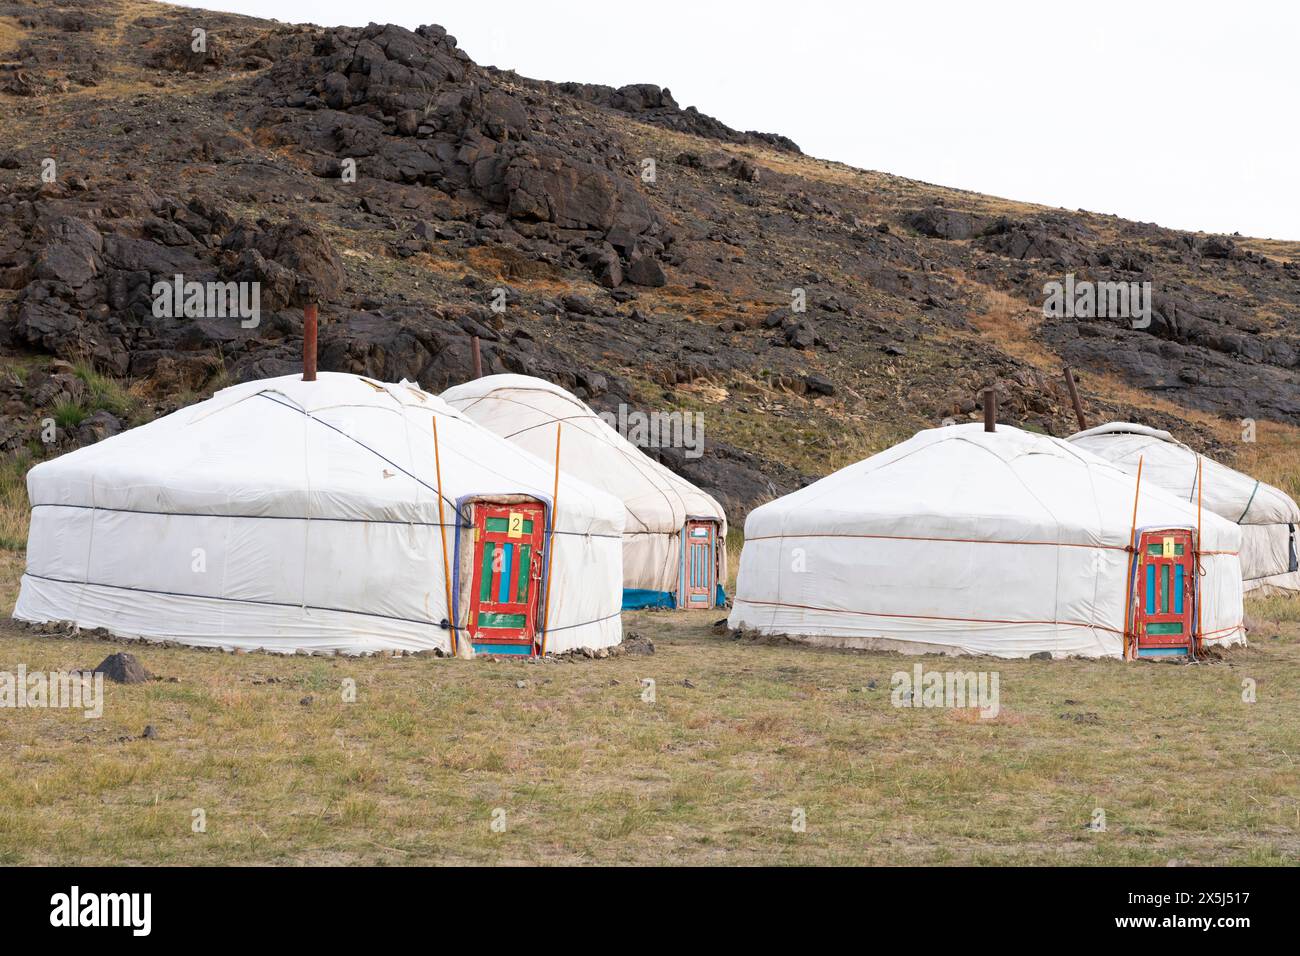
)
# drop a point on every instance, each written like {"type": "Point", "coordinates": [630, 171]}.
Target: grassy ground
{"type": "Point", "coordinates": [585, 771]}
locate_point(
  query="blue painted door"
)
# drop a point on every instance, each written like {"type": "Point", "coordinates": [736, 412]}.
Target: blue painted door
{"type": "Point", "coordinates": [1166, 594]}
{"type": "Point", "coordinates": [699, 565]}
{"type": "Point", "coordinates": [507, 577]}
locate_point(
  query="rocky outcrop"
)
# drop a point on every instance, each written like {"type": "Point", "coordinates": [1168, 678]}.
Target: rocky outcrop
{"type": "Point", "coordinates": [86, 270]}
{"type": "Point", "coordinates": [410, 107]}
{"type": "Point", "coordinates": [652, 104]}
{"type": "Point", "coordinates": [939, 223]}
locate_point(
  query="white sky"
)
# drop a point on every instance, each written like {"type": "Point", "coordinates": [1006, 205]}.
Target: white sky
{"type": "Point", "coordinates": [1185, 114]}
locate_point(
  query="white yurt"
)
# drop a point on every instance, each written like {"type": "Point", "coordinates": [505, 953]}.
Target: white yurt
{"type": "Point", "coordinates": [1007, 543]}
{"type": "Point", "coordinates": [295, 515]}
{"type": "Point", "coordinates": [674, 536]}
{"type": "Point", "coordinates": [1269, 518]}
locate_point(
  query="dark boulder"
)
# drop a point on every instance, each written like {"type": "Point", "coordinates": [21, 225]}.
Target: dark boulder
{"type": "Point", "coordinates": [818, 385]}
{"type": "Point", "coordinates": [123, 669]}
{"type": "Point", "coordinates": [548, 187]}
{"type": "Point", "coordinates": [305, 251]}
{"type": "Point", "coordinates": [72, 252]}
{"type": "Point", "coordinates": [646, 271]}
{"type": "Point", "coordinates": [1218, 247]}
{"type": "Point", "coordinates": [99, 425]}
{"type": "Point", "coordinates": [940, 223]}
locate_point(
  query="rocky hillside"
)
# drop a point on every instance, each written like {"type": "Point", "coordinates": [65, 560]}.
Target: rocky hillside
{"type": "Point", "coordinates": [630, 249]}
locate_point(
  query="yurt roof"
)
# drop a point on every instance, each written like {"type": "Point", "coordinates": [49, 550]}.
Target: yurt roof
{"type": "Point", "coordinates": [341, 447]}
{"type": "Point", "coordinates": [1172, 465]}
{"type": "Point", "coordinates": [961, 482]}
{"type": "Point", "coordinates": [524, 410]}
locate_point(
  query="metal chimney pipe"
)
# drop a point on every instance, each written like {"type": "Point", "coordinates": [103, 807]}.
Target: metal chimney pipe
{"type": "Point", "coordinates": [309, 323]}
{"type": "Point", "coordinates": [990, 410]}
{"type": "Point", "coordinates": [478, 357]}
{"type": "Point", "coordinates": [1074, 398]}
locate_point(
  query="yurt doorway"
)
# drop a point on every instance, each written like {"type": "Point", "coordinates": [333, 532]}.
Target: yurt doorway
{"type": "Point", "coordinates": [1166, 584]}
{"type": "Point", "coordinates": [507, 577]}
{"type": "Point", "coordinates": [699, 565]}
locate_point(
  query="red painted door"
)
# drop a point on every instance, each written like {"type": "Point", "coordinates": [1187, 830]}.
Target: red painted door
{"type": "Point", "coordinates": [699, 564]}
{"type": "Point", "coordinates": [507, 577]}
{"type": "Point", "coordinates": [1166, 594]}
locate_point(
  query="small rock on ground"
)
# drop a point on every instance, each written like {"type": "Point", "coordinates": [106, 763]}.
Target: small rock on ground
{"type": "Point", "coordinates": [124, 669]}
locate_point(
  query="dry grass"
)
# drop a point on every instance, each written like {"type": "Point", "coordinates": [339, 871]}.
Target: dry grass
{"type": "Point", "coordinates": [586, 772]}
{"type": "Point", "coordinates": [1007, 323]}
{"type": "Point", "coordinates": [11, 34]}
{"type": "Point", "coordinates": [1273, 457]}
{"type": "Point", "coordinates": [14, 511]}
{"type": "Point", "coordinates": [1280, 250]}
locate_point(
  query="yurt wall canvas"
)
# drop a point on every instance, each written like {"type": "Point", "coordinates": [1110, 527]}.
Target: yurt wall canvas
{"type": "Point", "coordinates": [965, 541]}
{"type": "Point", "coordinates": [674, 552]}
{"type": "Point", "coordinates": [304, 516]}
{"type": "Point", "coordinates": [1269, 518]}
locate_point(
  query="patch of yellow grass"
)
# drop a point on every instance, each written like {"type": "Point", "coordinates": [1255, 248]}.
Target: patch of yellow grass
{"type": "Point", "coordinates": [11, 34]}
{"type": "Point", "coordinates": [510, 264]}
{"type": "Point", "coordinates": [1273, 457]}
{"type": "Point", "coordinates": [1009, 324]}
{"type": "Point", "coordinates": [1279, 607]}
{"type": "Point", "coordinates": [581, 770]}
{"type": "Point", "coordinates": [14, 508]}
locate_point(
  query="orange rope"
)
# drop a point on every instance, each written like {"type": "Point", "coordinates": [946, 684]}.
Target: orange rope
{"type": "Point", "coordinates": [908, 537]}
{"type": "Point", "coordinates": [1132, 564]}
{"type": "Point", "coordinates": [926, 617]}
{"type": "Point", "coordinates": [442, 529]}
{"type": "Point", "coordinates": [550, 553]}
{"type": "Point", "coordinates": [1228, 630]}
{"type": "Point", "coordinates": [1200, 636]}
{"type": "Point", "coordinates": [966, 620]}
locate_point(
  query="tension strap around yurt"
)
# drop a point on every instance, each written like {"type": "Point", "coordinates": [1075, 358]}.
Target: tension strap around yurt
{"type": "Point", "coordinates": [1199, 633]}
{"type": "Point", "coordinates": [1130, 633]}
{"type": "Point", "coordinates": [442, 530]}
{"type": "Point", "coordinates": [1249, 502]}
{"type": "Point", "coordinates": [550, 551]}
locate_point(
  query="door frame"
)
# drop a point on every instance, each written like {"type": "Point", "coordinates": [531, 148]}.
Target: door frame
{"type": "Point", "coordinates": [683, 592]}
{"type": "Point", "coordinates": [1154, 607]}
{"type": "Point", "coordinates": [526, 640]}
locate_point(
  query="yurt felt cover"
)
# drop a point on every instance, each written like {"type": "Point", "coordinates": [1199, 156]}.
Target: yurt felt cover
{"type": "Point", "coordinates": [292, 515]}
{"type": "Point", "coordinates": [1269, 517]}
{"type": "Point", "coordinates": [525, 409]}
{"type": "Point", "coordinates": [960, 540]}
